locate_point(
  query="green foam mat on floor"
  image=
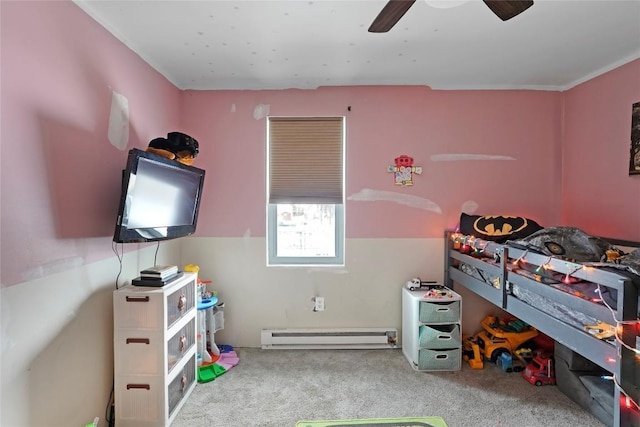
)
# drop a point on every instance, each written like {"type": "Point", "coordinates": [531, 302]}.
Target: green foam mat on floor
{"type": "Point", "coordinates": [378, 422]}
{"type": "Point", "coordinates": [209, 372]}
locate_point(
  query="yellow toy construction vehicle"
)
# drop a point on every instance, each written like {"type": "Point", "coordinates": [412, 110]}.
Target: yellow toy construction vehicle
{"type": "Point", "coordinates": [471, 353]}
{"type": "Point", "coordinates": [496, 337]}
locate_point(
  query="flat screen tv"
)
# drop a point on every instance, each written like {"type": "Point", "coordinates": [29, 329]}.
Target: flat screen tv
{"type": "Point", "coordinates": [160, 199]}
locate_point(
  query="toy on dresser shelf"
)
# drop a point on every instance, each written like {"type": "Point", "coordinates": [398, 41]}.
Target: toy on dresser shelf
{"type": "Point", "coordinates": [438, 292]}
{"type": "Point", "coordinates": [416, 283]}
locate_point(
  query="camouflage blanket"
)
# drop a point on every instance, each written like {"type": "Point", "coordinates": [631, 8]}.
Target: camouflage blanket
{"type": "Point", "coordinates": [631, 261]}
{"type": "Point", "coordinates": [575, 245]}
{"type": "Point", "coordinates": [568, 243]}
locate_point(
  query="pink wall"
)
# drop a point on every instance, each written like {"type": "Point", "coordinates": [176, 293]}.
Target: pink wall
{"type": "Point", "coordinates": [599, 196]}
{"type": "Point", "coordinates": [60, 174]}
{"type": "Point", "coordinates": [383, 123]}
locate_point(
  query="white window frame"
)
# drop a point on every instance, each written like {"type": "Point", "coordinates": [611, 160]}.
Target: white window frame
{"type": "Point", "coordinates": [272, 221]}
{"type": "Point", "coordinates": [272, 243]}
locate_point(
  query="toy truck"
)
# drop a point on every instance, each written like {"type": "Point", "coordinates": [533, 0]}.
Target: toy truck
{"type": "Point", "coordinates": [509, 363]}
{"type": "Point", "coordinates": [500, 336]}
{"type": "Point", "coordinates": [540, 370]}
{"type": "Point", "coordinates": [471, 353]}
{"type": "Point", "coordinates": [415, 284]}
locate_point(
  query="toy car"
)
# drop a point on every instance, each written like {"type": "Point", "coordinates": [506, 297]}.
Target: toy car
{"type": "Point", "coordinates": [416, 283]}
{"type": "Point", "coordinates": [509, 363]}
{"type": "Point", "coordinates": [540, 371]}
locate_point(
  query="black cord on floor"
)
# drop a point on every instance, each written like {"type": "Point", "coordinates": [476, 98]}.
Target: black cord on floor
{"type": "Point", "coordinates": [109, 411]}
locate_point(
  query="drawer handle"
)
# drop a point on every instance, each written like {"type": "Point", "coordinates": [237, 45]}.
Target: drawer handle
{"type": "Point", "coordinates": [443, 309]}
{"type": "Point", "coordinates": [137, 340]}
{"type": "Point", "coordinates": [140, 386]}
{"type": "Point", "coordinates": [183, 343]}
{"type": "Point", "coordinates": [182, 302]}
{"type": "Point", "coordinates": [444, 337]}
{"type": "Point", "coordinates": [184, 383]}
{"type": "Point", "coordinates": [137, 299]}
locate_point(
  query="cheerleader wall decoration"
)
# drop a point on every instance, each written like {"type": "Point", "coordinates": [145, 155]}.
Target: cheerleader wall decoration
{"type": "Point", "coordinates": [403, 170]}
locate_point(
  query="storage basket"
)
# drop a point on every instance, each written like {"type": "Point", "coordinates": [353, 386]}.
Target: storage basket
{"type": "Point", "coordinates": [439, 360]}
{"type": "Point", "coordinates": [440, 336]}
{"type": "Point", "coordinates": [439, 312]}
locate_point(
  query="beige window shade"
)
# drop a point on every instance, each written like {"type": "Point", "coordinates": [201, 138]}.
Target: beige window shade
{"type": "Point", "coordinates": [306, 160]}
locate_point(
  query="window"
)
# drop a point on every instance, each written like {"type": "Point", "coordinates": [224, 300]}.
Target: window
{"type": "Point", "coordinates": [305, 190]}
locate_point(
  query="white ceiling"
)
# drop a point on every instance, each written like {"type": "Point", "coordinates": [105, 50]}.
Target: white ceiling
{"type": "Point", "coordinates": [273, 44]}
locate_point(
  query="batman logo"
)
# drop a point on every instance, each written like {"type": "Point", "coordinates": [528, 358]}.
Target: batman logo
{"type": "Point", "coordinates": [499, 225]}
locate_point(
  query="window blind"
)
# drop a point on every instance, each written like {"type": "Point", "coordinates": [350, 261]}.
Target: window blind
{"type": "Point", "coordinates": [306, 160]}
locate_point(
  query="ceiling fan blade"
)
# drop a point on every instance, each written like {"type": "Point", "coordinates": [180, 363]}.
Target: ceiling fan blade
{"type": "Point", "coordinates": [390, 15]}
{"type": "Point", "coordinates": [506, 10]}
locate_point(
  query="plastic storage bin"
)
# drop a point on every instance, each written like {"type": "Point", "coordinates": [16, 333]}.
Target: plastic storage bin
{"type": "Point", "coordinates": [440, 336]}
{"type": "Point", "coordinates": [439, 360]}
{"type": "Point", "coordinates": [439, 311]}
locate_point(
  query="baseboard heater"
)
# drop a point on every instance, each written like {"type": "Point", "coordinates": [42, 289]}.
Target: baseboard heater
{"type": "Point", "coordinates": [335, 338]}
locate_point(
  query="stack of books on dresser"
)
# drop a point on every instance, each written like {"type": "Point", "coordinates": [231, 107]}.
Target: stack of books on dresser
{"type": "Point", "coordinates": [158, 275]}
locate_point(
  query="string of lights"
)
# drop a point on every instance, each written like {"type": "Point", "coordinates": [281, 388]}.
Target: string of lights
{"type": "Point", "coordinates": [467, 244]}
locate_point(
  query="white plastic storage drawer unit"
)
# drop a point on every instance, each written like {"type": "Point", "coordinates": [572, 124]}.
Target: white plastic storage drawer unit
{"type": "Point", "coordinates": [431, 328]}
{"type": "Point", "coordinates": [154, 351]}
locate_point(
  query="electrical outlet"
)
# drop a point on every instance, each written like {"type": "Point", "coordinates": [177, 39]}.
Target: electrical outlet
{"type": "Point", "coordinates": [319, 304]}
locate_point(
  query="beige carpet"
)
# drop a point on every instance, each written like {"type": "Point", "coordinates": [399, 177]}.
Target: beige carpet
{"type": "Point", "coordinates": [277, 388]}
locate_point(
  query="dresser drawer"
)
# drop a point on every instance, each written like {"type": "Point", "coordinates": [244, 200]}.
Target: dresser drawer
{"type": "Point", "coordinates": [140, 401]}
{"type": "Point", "coordinates": [140, 307]}
{"type": "Point", "coordinates": [179, 387]}
{"type": "Point", "coordinates": [440, 336]}
{"type": "Point", "coordinates": [139, 352]}
{"type": "Point", "coordinates": [180, 343]}
{"type": "Point", "coordinates": [439, 311]}
{"type": "Point", "coordinates": [136, 310]}
{"type": "Point", "coordinates": [180, 302]}
{"type": "Point", "coordinates": [439, 360]}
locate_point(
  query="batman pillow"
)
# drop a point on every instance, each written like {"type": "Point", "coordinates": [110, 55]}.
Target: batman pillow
{"type": "Point", "coordinates": [498, 228]}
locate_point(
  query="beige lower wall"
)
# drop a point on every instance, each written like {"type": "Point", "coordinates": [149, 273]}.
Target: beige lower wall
{"type": "Point", "coordinates": [57, 331]}
{"type": "Point", "coordinates": [56, 352]}
{"type": "Point", "coordinates": [365, 293]}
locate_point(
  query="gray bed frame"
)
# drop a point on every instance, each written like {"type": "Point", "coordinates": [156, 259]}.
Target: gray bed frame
{"type": "Point", "coordinates": [617, 359]}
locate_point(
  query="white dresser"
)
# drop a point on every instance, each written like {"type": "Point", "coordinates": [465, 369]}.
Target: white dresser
{"type": "Point", "coordinates": [154, 351]}
{"type": "Point", "coordinates": [431, 328]}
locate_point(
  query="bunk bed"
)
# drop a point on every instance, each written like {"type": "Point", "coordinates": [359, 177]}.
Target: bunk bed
{"type": "Point", "coordinates": [568, 302]}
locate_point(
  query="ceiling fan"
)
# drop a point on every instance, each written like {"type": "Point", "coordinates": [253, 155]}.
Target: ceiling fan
{"type": "Point", "coordinates": [395, 9]}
